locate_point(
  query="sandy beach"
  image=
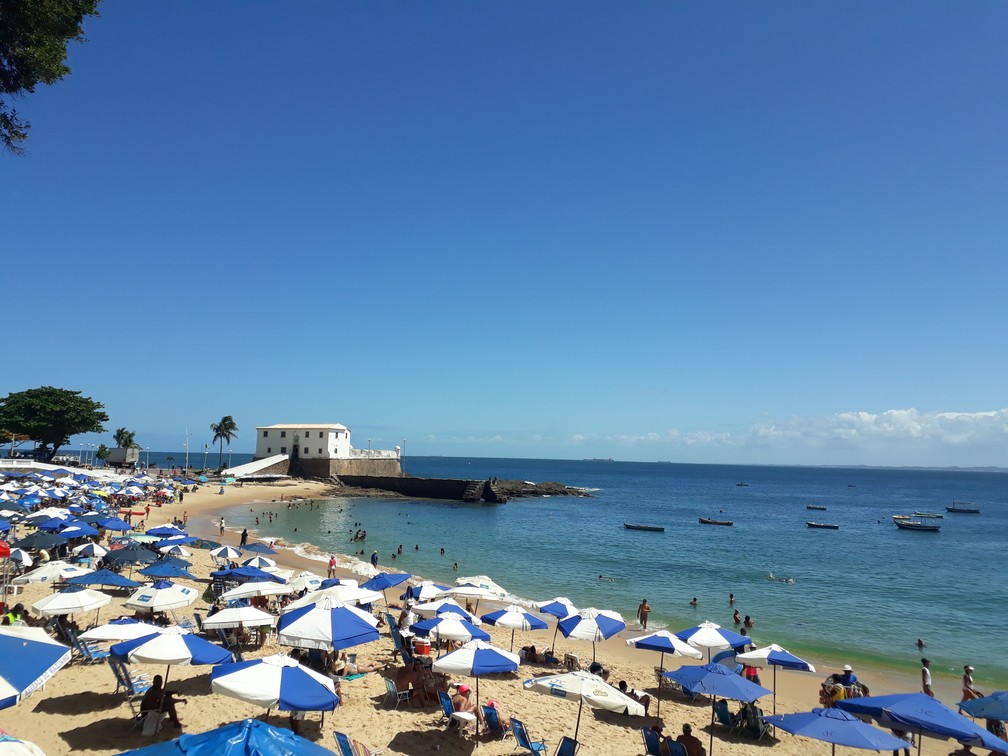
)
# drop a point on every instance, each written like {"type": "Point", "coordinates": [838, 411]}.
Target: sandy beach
{"type": "Point", "coordinates": [78, 710]}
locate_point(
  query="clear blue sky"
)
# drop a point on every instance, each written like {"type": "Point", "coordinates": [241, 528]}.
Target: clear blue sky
{"type": "Point", "coordinates": [749, 232]}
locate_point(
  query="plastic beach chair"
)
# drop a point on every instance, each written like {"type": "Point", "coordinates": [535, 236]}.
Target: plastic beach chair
{"type": "Point", "coordinates": [491, 719]}
{"type": "Point", "coordinates": [723, 715]}
{"type": "Point", "coordinates": [567, 747]}
{"type": "Point", "coordinates": [359, 749]}
{"type": "Point", "coordinates": [652, 742]}
{"type": "Point", "coordinates": [462, 718]}
{"type": "Point", "coordinates": [523, 740]}
{"type": "Point", "coordinates": [343, 745]}
{"type": "Point", "coordinates": [675, 748]}
{"type": "Point", "coordinates": [398, 695]}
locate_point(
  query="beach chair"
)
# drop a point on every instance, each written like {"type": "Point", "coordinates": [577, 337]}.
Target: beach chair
{"type": "Point", "coordinates": [359, 749]}
{"type": "Point", "coordinates": [522, 739]}
{"type": "Point", "coordinates": [675, 748]}
{"type": "Point", "coordinates": [567, 747]}
{"type": "Point", "coordinates": [724, 717]}
{"type": "Point", "coordinates": [753, 724]}
{"type": "Point", "coordinates": [395, 694]}
{"type": "Point", "coordinates": [664, 683]}
{"type": "Point", "coordinates": [87, 653]}
{"type": "Point", "coordinates": [571, 662]}
{"type": "Point", "coordinates": [462, 718]}
{"type": "Point", "coordinates": [652, 742]}
{"type": "Point", "coordinates": [199, 622]}
{"type": "Point", "coordinates": [343, 745]}
{"type": "Point", "coordinates": [491, 718]}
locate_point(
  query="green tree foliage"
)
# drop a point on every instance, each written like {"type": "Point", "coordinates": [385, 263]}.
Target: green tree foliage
{"type": "Point", "coordinates": [33, 50]}
{"type": "Point", "coordinates": [225, 430]}
{"type": "Point", "coordinates": [103, 452]}
{"type": "Point", "coordinates": [51, 416]}
{"type": "Point", "coordinates": [125, 439]}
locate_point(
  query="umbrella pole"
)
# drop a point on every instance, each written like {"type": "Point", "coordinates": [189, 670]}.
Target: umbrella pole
{"type": "Point", "coordinates": [578, 725]}
{"type": "Point", "coordinates": [512, 641]}
{"type": "Point", "coordinates": [477, 712]}
{"type": "Point", "coordinates": [555, 631]}
{"type": "Point", "coordinates": [661, 666]}
{"type": "Point", "coordinates": [710, 743]}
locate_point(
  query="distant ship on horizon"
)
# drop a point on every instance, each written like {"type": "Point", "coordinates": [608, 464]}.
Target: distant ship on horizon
{"type": "Point", "coordinates": [599, 459]}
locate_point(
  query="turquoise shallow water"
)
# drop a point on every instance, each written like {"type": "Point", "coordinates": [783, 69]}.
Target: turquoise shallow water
{"type": "Point", "coordinates": [864, 592]}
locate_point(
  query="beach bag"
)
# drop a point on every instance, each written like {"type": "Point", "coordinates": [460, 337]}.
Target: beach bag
{"type": "Point", "coordinates": [151, 724]}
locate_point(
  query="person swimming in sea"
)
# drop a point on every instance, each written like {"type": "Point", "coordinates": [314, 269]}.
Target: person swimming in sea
{"type": "Point", "coordinates": [607, 579]}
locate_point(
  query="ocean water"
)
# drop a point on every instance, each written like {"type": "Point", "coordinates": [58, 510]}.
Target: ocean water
{"type": "Point", "coordinates": [865, 592]}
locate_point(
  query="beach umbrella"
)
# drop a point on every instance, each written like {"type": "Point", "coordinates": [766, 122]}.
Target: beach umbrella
{"type": "Point", "coordinates": [174, 550]}
{"type": "Point", "coordinates": [21, 556]}
{"type": "Point", "coordinates": [516, 618]}
{"type": "Point", "coordinates": [425, 591]}
{"type": "Point", "coordinates": [122, 629]}
{"type": "Point", "coordinates": [78, 530]}
{"type": "Point", "coordinates": [225, 553]}
{"type": "Point", "coordinates": [445, 606]}
{"type": "Point", "coordinates": [665, 643]}
{"type": "Point", "coordinates": [131, 555]}
{"type": "Point", "coordinates": [838, 728]}
{"type": "Point", "coordinates": [258, 548]}
{"type": "Point", "coordinates": [104, 577]}
{"type": "Point", "coordinates": [250, 737]}
{"type": "Point", "coordinates": [305, 581]}
{"type": "Point", "coordinates": [559, 607]}
{"type": "Point", "coordinates": [166, 531]}
{"type": "Point", "coordinates": [774, 656]}
{"type": "Point", "coordinates": [469, 591]}
{"type": "Point", "coordinates": [54, 524]}
{"type": "Point", "coordinates": [592, 624]}
{"type": "Point", "coordinates": [89, 549]}
{"type": "Point", "coordinates": [708, 635]}
{"type": "Point", "coordinates": [717, 682]}
{"type": "Point", "coordinates": [344, 594]}
{"type": "Point", "coordinates": [165, 570]}
{"type": "Point", "coordinates": [994, 706]}
{"type": "Point", "coordinates": [585, 688]}
{"type": "Point", "coordinates": [162, 596]}
{"type": "Point", "coordinates": [260, 562]}
{"type": "Point", "coordinates": [275, 681]}
{"type": "Point", "coordinates": [246, 573]}
{"type": "Point", "coordinates": [256, 588]}
{"type": "Point", "coordinates": [477, 658]}
{"type": "Point", "coordinates": [74, 599]}
{"type": "Point", "coordinates": [114, 523]}
{"type": "Point", "coordinates": [173, 559]}
{"type": "Point", "coordinates": [39, 540]}
{"type": "Point", "coordinates": [327, 624]}
{"type": "Point", "coordinates": [449, 627]}
{"type": "Point", "coordinates": [923, 715]}
{"type": "Point", "coordinates": [181, 540]}
{"type": "Point", "coordinates": [51, 572]}
{"type": "Point", "coordinates": [239, 616]}
{"type": "Point", "coordinates": [385, 580]}
{"type": "Point", "coordinates": [28, 658]}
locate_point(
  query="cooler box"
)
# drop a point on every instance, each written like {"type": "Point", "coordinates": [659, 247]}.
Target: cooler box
{"type": "Point", "coordinates": [421, 646]}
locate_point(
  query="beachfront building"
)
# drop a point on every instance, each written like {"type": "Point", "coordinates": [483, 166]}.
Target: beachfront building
{"type": "Point", "coordinates": [323, 449]}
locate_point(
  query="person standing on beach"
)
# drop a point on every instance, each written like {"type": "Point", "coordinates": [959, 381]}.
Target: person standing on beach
{"type": "Point", "coordinates": [244, 537]}
{"type": "Point", "coordinates": [222, 526]}
{"type": "Point", "coordinates": [374, 558]}
{"type": "Point", "coordinates": [926, 677]}
{"type": "Point", "coordinates": [332, 567]}
{"type": "Point", "coordinates": [642, 613]}
{"type": "Point", "coordinates": [969, 692]}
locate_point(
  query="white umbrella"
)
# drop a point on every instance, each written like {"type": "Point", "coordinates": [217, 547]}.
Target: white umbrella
{"type": "Point", "coordinates": [305, 581]}
{"type": "Point", "coordinates": [239, 616]}
{"type": "Point", "coordinates": [51, 572]}
{"type": "Point", "coordinates": [162, 596]}
{"type": "Point", "coordinates": [344, 594]}
{"type": "Point", "coordinates": [276, 681]}
{"type": "Point", "coordinates": [22, 556]}
{"type": "Point", "coordinates": [585, 688]}
{"type": "Point", "coordinates": [71, 601]}
{"type": "Point", "coordinates": [175, 550]}
{"type": "Point", "coordinates": [11, 746]}
{"type": "Point", "coordinates": [120, 630]}
{"type": "Point", "coordinates": [426, 590]}
{"type": "Point", "coordinates": [225, 552]}
{"type": "Point", "coordinates": [257, 588]}
{"type": "Point", "coordinates": [469, 591]}
{"type": "Point", "coordinates": [482, 581]}
{"type": "Point", "coordinates": [260, 562]}
{"type": "Point", "coordinates": [90, 549]}
{"type": "Point", "coordinates": [434, 608]}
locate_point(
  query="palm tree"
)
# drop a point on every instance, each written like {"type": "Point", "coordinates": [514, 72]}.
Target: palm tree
{"type": "Point", "coordinates": [125, 439]}
{"type": "Point", "coordinates": [225, 430]}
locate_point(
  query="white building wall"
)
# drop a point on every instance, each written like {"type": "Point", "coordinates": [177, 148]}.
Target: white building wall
{"type": "Point", "coordinates": [312, 442]}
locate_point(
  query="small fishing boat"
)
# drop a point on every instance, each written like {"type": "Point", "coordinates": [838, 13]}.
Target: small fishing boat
{"type": "Point", "coordinates": [916, 525]}
{"type": "Point", "coordinates": [823, 525]}
{"type": "Point", "coordinates": [929, 514]}
{"type": "Point", "coordinates": [819, 507]}
{"type": "Point", "coordinates": [655, 528]}
{"type": "Point", "coordinates": [902, 517]}
{"type": "Point", "coordinates": [743, 485]}
{"type": "Point", "coordinates": [962, 507]}
{"type": "Point", "coordinates": [709, 521]}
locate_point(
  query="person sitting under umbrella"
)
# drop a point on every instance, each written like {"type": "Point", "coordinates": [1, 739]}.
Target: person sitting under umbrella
{"type": "Point", "coordinates": [462, 702]}
{"type": "Point", "coordinates": [157, 699]}
{"type": "Point", "coordinates": [690, 742]}
{"type": "Point", "coordinates": [642, 698]}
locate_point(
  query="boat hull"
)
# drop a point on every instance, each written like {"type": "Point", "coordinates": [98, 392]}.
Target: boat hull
{"type": "Point", "coordinates": [653, 528]}
{"type": "Point", "coordinates": [822, 525]}
{"type": "Point", "coordinates": [708, 521]}
{"type": "Point", "coordinates": [907, 525]}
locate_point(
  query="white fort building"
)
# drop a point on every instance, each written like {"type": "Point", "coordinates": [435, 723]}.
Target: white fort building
{"type": "Point", "coordinates": [323, 449]}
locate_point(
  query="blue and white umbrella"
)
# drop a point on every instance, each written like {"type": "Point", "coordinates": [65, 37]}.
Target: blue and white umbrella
{"type": "Point", "coordinates": [559, 607]}
{"type": "Point", "coordinates": [836, 727]}
{"type": "Point", "coordinates": [592, 624]}
{"type": "Point", "coordinates": [385, 580]}
{"type": "Point", "coordinates": [260, 562]}
{"type": "Point", "coordinates": [477, 658]}
{"type": "Point", "coordinates": [708, 635]}
{"type": "Point", "coordinates": [516, 618]}
{"type": "Point", "coordinates": [174, 550]}
{"type": "Point", "coordinates": [250, 736]}
{"type": "Point", "coordinates": [445, 606]}
{"type": "Point", "coordinates": [90, 549]}
{"type": "Point", "coordinates": [226, 553]}
{"type": "Point", "coordinates": [425, 591]}
{"type": "Point", "coordinates": [665, 643]}
{"type": "Point", "coordinates": [275, 682]}
{"type": "Point", "coordinates": [327, 624]}
{"type": "Point", "coordinates": [774, 656]}
{"type": "Point", "coordinates": [28, 658]}
{"type": "Point", "coordinates": [449, 627]}
{"type": "Point", "coordinates": [173, 645]}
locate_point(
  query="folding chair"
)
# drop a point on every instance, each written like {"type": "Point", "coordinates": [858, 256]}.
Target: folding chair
{"type": "Point", "coordinates": [491, 718]}
{"type": "Point", "coordinates": [652, 742]}
{"type": "Point", "coordinates": [462, 718]}
{"type": "Point", "coordinates": [398, 695]}
{"type": "Point", "coordinates": [522, 739]}
{"type": "Point", "coordinates": [567, 747]}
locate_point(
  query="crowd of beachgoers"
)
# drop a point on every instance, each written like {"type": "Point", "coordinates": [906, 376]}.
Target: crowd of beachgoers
{"type": "Point", "coordinates": [140, 618]}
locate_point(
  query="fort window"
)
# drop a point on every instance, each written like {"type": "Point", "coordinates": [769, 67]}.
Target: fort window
{"type": "Point", "coordinates": [283, 449]}
{"type": "Point", "coordinates": [283, 434]}
{"type": "Point", "coordinates": [265, 434]}
{"type": "Point", "coordinates": [269, 450]}
{"type": "Point", "coordinates": [306, 450]}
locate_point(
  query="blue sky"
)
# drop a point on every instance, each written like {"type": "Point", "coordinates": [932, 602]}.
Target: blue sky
{"type": "Point", "coordinates": [766, 233]}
